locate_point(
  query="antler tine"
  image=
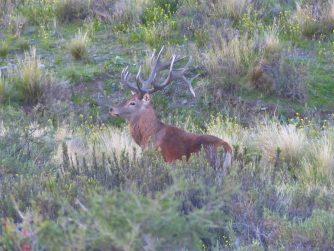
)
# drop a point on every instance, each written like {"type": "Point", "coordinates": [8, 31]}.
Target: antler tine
{"type": "Point", "coordinates": [156, 66]}
{"type": "Point", "coordinates": [189, 83]}
{"type": "Point", "coordinates": [125, 81]}
{"type": "Point", "coordinates": [177, 74]}
{"type": "Point", "coordinates": [159, 54]}
{"type": "Point", "coordinates": [150, 85]}
{"type": "Point", "coordinates": [139, 71]}
{"type": "Point", "coordinates": [152, 57]}
{"type": "Point", "coordinates": [188, 63]}
{"type": "Point", "coordinates": [168, 80]}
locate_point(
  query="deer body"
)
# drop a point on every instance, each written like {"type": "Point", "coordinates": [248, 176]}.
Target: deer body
{"type": "Point", "coordinates": [146, 128]}
{"type": "Point", "coordinates": [172, 142]}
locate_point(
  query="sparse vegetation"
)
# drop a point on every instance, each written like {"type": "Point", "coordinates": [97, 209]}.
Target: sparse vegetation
{"type": "Point", "coordinates": [72, 178]}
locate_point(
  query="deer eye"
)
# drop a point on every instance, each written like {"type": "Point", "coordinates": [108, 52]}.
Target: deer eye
{"type": "Point", "coordinates": [132, 103]}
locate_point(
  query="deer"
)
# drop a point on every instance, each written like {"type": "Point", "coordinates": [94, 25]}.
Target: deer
{"type": "Point", "coordinates": [146, 129]}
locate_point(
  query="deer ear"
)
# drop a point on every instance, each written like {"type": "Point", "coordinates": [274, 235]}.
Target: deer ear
{"type": "Point", "coordinates": [147, 98]}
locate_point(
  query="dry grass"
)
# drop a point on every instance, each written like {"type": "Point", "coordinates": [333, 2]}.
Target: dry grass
{"type": "Point", "coordinates": [287, 138]}
{"type": "Point", "coordinates": [110, 141]}
{"type": "Point", "coordinates": [78, 45]}
{"type": "Point", "coordinates": [319, 166]}
{"type": "Point", "coordinates": [271, 42]}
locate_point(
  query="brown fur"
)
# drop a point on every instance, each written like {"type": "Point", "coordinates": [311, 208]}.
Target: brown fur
{"type": "Point", "coordinates": [173, 142]}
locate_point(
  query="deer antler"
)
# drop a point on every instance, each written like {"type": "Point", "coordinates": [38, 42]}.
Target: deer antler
{"type": "Point", "coordinates": [150, 85]}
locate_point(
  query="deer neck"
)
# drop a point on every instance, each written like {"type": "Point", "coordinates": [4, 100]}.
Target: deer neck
{"type": "Point", "coordinates": [144, 127]}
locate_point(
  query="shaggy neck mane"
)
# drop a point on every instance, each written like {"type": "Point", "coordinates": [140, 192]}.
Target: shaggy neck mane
{"type": "Point", "coordinates": [144, 127]}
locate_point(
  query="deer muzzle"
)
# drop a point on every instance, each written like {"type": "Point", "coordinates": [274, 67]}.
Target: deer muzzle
{"type": "Point", "coordinates": [113, 112]}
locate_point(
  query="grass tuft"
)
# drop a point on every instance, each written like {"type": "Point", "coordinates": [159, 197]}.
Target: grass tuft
{"type": "Point", "coordinates": [290, 141]}
{"type": "Point", "coordinates": [78, 45]}
{"type": "Point", "coordinates": [4, 49]}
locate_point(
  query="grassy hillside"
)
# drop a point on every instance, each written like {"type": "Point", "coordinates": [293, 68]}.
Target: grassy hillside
{"type": "Point", "coordinates": [71, 177]}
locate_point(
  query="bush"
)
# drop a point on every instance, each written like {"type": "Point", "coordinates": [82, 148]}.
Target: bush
{"type": "Point", "coordinates": [233, 9]}
{"type": "Point", "coordinates": [127, 14]}
{"type": "Point", "coordinates": [69, 10]}
{"type": "Point", "coordinates": [226, 62]}
{"type": "Point", "coordinates": [315, 19]}
{"type": "Point", "coordinates": [78, 45]}
{"type": "Point", "coordinates": [277, 74]}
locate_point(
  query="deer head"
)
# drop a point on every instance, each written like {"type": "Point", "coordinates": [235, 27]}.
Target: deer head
{"type": "Point", "coordinates": [141, 89]}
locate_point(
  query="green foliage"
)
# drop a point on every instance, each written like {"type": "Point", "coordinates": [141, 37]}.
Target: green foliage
{"type": "Point", "coordinates": [167, 5]}
{"type": "Point", "coordinates": [154, 14]}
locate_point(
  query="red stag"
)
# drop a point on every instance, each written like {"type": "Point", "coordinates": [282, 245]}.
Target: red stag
{"type": "Point", "coordinates": [145, 127]}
